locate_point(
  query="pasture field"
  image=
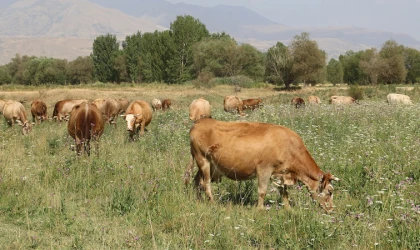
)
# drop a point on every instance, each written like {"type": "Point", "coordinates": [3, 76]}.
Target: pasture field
{"type": "Point", "coordinates": [133, 196]}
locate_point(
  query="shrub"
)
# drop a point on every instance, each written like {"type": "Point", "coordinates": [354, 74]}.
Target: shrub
{"type": "Point", "coordinates": [356, 92]}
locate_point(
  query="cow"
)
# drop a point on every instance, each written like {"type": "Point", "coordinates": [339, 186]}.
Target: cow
{"type": "Point", "coordinates": [252, 103]}
{"type": "Point", "coordinates": [39, 111]}
{"type": "Point", "coordinates": [110, 109]}
{"type": "Point", "coordinates": [138, 115]}
{"type": "Point", "coordinates": [314, 100]}
{"type": "Point", "coordinates": [123, 104]}
{"type": "Point", "coordinates": [166, 104]}
{"type": "Point", "coordinates": [63, 108]}
{"type": "Point", "coordinates": [245, 150]}
{"type": "Point", "coordinates": [297, 102]}
{"type": "Point", "coordinates": [14, 112]}
{"type": "Point", "coordinates": [339, 100]}
{"type": "Point", "coordinates": [233, 103]}
{"type": "Point", "coordinates": [2, 103]}
{"type": "Point", "coordinates": [85, 124]}
{"type": "Point", "coordinates": [156, 104]}
{"type": "Point", "coordinates": [199, 108]}
{"type": "Point", "coordinates": [398, 99]}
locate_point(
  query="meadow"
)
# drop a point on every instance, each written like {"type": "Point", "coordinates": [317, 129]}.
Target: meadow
{"type": "Point", "coordinates": [133, 196]}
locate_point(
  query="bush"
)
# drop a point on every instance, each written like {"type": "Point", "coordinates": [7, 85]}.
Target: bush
{"type": "Point", "coordinates": [356, 92]}
{"type": "Point", "coordinates": [241, 81]}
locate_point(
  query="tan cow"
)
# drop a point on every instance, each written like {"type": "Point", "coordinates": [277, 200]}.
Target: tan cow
{"type": "Point", "coordinates": [2, 103]}
{"type": "Point", "coordinates": [252, 103]}
{"type": "Point", "coordinates": [63, 108]}
{"type": "Point", "coordinates": [110, 109]}
{"type": "Point", "coordinates": [123, 105]}
{"type": "Point", "coordinates": [138, 115]}
{"type": "Point", "coordinates": [398, 99]}
{"type": "Point", "coordinates": [199, 108]}
{"type": "Point", "coordinates": [245, 150]}
{"type": "Point", "coordinates": [166, 104]}
{"type": "Point", "coordinates": [156, 104]}
{"type": "Point", "coordinates": [85, 124]}
{"type": "Point", "coordinates": [233, 103]}
{"type": "Point", "coordinates": [298, 102]}
{"type": "Point", "coordinates": [314, 100]}
{"type": "Point", "coordinates": [339, 100]}
{"type": "Point", "coordinates": [39, 111]}
{"type": "Point", "coordinates": [14, 112]}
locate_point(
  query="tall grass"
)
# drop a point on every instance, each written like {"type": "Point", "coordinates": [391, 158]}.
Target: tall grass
{"type": "Point", "coordinates": [133, 196]}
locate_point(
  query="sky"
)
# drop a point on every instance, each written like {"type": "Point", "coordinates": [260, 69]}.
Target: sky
{"type": "Point", "coordinates": [397, 16]}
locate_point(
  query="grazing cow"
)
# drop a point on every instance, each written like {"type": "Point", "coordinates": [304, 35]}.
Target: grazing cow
{"type": "Point", "coordinates": [39, 111]}
{"type": "Point", "coordinates": [166, 104]}
{"type": "Point", "coordinates": [14, 112]}
{"type": "Point", "coordinates": [138, 115]}
{"type": "Point", "coordinates": [298, 102]}
{"type": "Point", "coordinates": [123, 105]}
{"type": "Point", "coordinates": [156, 104]}
{"type": "Point", "coordinates": [63, 108]}
{"type": "Point", "coordinates": [110, 109]}
{"type": "Point", "coordinates": [252, 103]}
{"type": "Point", "coordinates": [398, 99]}
{"type": "Point", "coordinates": [233, 104]}
{"type": "Point", "coordinates": [338, 100]}
{"type": "Point", "coordinates": [199, 108]}
{"type": "Point", "coordinates": [2, 103]}
{"type": "Point", "coordinates": [245, 150]}
{"type": "Point", "coordinates": [314, 100]}
{"type": "Point", "coordinates": [85, 124]}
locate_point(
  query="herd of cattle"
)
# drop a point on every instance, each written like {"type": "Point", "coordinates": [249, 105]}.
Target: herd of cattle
{"type": "Point", "coordinates": [231, 149]}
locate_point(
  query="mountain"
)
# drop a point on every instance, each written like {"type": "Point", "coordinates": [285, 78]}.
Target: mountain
{"type": "Point", "coordinates": [67, 28]}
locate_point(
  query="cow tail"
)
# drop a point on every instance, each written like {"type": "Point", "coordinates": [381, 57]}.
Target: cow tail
{"type": "Point", "coordinates": [189, 170]}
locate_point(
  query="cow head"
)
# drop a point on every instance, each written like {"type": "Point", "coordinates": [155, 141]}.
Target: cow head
{"type": "Point", "coordinates": [325, 192]}
{"type": "Point", "coordinates": [132, 120]}
{"type": "Point", "coordinates": [26, 128]}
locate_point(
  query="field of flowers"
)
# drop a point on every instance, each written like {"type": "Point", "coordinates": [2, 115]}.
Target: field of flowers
{"type": "Point", "coordinates": [133, 195]}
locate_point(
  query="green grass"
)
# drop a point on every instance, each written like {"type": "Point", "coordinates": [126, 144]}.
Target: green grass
{"type": "Point", "coordinates": [133, 195]}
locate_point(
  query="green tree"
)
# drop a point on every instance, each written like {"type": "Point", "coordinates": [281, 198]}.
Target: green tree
{"type": "Point", "coordinates": [132, 51]}
{"type": "Point", "coordinates": [308, 59]}
{"type": "Point", "coordinates": [279, 64]}
{"type": "Point", "coordinates": [252, 62]}
{"type": "Point", "coordinates": [120, 68]}
{"type": "Point", "coordinates": [5, 76]}
{"type": "Point", "coordinates": [105, 48]}
{"type": "Point", "coordinates": [372, 65]}
{"type": "Point", "coordinates": [17, 68]}
{"type": "Point", "coordinates": [393, 56]}
{"type": "Point", "coordinates": [80, 70]}
{"type": "Point", "coordinates": [334, 71]}
{"type": "Point", "coordinates": [186, 31]}
{"type": "Point", "coordinates": [49, 71]}
{"type": "Point", "coordinates": [412, 65]}
{"type": "Point", "coordinates": [352, 73]}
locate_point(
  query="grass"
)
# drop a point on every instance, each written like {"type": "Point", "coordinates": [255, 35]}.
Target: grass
{"type": "Point", "coordinates": [133, 196]}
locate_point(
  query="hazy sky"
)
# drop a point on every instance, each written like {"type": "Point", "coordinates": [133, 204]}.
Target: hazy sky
{"type": "Point", "coordinates": [398, 16]}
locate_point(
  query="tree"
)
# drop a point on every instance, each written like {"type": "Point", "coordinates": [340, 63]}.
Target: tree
{"type": "Point", "coordinates": [120, 68]}
{"type": "Point", "coordinates": [5, 76]}
{"type": "Point", "coordinates": [252, 62]}
{"type": "Point", "coordinates": [186, 31]}
{"type": "Point", "coordinates": [308, 59]}
{"type": "Point", "coordinates": [352, 73]}
{"type": "Point", "coordinates": [132, 51]}
{"type": "Point", "coordinates": [105, 48]}
{"type": "Point", "coordinates": [80, 70]}
{"type": "Point", "coordinates": [412, 65]}
{"type": "Point", "coordinates": [372, 65]}
{"type": "Point", "coordinates": [279, 64]}
{"type": "Point", "coordinates": [393, 55]}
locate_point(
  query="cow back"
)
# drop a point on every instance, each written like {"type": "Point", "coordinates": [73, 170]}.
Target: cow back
{"type": "Point", "coordinates": [140, 107]}
{"type": "Point", "coordinates": [233, 103]}
{"type": "Point", "coordinates": [199, 108]}
{"type": "Point", "coordinates": [85, 121]}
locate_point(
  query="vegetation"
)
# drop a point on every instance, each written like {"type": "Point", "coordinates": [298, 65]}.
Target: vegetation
{"type": "Point", "coordinates": [188, 51]}
{"type": "Point", "coordinates": [133, 196]}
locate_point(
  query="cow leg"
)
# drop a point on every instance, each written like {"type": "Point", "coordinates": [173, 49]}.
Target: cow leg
{"type": "Point", "coordinates": [188, 171]}
{"type": "Point", "coordinates": [78, 146]}
{"type": "Point", "coordinates": [263, 180]}
{"type": "Point", "coordinates": [204, 168]}
{"type": "Point", "coordinates": [198, 184]}
{"type": "Point", "coordinates": [87, 147]}
{"type": "Point", "coordinates": [285, 196]}
{"type": "Point", "coordinates": [143, 124]}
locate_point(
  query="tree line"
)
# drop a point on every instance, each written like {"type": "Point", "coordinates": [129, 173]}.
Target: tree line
{"type": "Point", "coordinates": [188, 51]}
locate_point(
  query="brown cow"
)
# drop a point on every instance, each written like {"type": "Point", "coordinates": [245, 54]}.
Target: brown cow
{"type": "Point", "coordinates": [166, 104]}
{"type": "Point", "coordinates": [85, 124]}
{"type": "Point", "coordinates": [138, 115]}
{"type": "Point", "coordinates": [110, 109]}
{"type": "Point", "coordinates": [14, 112]}
{"type": "Point", "coordinates": [314, 100]}
{"type": "Point", "coordinates": [39, 111]}
{"type": "Point", "coordinates": [123, 105]}
{"type": "Point", "coordinates": [298, 102]}
{"type": "Point", "coordinates": [244, 150]}
{"type": "Point", "coordinates": [63, 108]}
{"type": "Point", "coordinates": [156, 104]}
{"type": "Point", "coordinates": [252, 103]}
{"type": "Point", "coordinates": [338, 100]}
{"type": "Point", "coordinates": [233, 104]}
{"type": "Point", "coordinates": [199, 108]}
